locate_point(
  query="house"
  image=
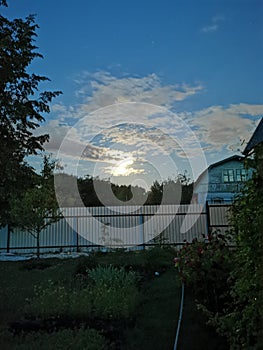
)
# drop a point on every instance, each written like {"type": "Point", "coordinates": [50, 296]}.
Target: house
{"type": "Point", "coordinates": [221, 181]}
{"type": "Point", "coordinates": [256, 139]}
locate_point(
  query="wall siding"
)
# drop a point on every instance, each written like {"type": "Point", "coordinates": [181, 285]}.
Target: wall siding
{"type": "Point", "coordinates": [217, 188]}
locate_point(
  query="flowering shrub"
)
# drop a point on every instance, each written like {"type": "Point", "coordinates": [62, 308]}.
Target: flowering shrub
{"type": "Point", "coordinates": [204, 267]}
{"type": "Point", "coordinates": [242, 322]}
{"type": "Point", "coordinates": [230, 291]}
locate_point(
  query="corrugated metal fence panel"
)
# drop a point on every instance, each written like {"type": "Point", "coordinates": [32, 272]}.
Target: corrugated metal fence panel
{"type": "Point", "coordinates": [220, 215]}
{"type": "Point", "coordinates": [120, 226]}
{"type": "Point", "coordinates": [19, 238]}
{"type": "Point", "coordinates": [220, 218]}
{"type": "Point", "coordinates": [57, 234]}
{"type": "Point", "coordinates": [3, 236]}
{"type": "Point", "coordinates": [182, 223]}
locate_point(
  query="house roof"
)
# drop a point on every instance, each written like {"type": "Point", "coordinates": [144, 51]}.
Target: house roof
{"type": "Point", "coordinates": [255, 139]}
{"type": "Point", "coordinates": [211, 166]}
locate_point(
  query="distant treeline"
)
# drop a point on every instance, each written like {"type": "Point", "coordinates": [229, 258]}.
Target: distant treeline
{"type": "Point", "coordinates": [100, 192]}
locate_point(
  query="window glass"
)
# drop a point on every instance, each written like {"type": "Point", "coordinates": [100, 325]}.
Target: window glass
{"type": "Point", "coordinates": [241, 174]}
{"type": "Point", "coordinates": [228, 175]}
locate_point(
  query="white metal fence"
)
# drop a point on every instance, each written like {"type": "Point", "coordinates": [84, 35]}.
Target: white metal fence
{"type": "Point", "coordinates": [82, 229]}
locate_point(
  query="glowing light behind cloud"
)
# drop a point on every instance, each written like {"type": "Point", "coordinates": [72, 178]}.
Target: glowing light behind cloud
{"type": "Point", "coordinates": [124, 168]}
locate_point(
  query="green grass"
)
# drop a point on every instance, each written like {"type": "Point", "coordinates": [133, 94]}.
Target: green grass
{"type": "Point", "coordinates": [157, 318]}
{"type": "Point", "coordinates": [194, 334]}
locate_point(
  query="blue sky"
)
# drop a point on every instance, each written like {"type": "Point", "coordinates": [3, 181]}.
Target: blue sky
{"type": "Point", "coordinates": [191, 71]}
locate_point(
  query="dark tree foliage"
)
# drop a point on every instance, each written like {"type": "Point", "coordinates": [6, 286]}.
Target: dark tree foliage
{"type": "Point", "coordinates": [21, 107]}
{"type": "Point", "coordinates": [178, 191]}
{"type": "Point", "coordinates": [110, 194]}
{"type": "Point", "coordinates": [243, 324]}
{"type": "Point", "coordinates": [87, 191]}
{"type": "Point", "coordinates": [122, 192]}
{"type": "Point", "coordinates": [240, 319]}
{"type": "Point", "coordinates": [155, 194]}
{"type": "Point", "coordinates": [171, 191]}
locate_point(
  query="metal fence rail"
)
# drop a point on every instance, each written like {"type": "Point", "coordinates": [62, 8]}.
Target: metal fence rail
{"type": "Point", "coordinates": [82, 229]}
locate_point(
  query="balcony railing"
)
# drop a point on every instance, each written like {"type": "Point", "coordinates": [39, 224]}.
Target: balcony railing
{"type": "Point", "coordinates": [225, 187]}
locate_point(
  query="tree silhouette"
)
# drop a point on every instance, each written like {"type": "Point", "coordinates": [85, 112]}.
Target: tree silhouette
{"type": "Point", "coordinates": [21, 107]}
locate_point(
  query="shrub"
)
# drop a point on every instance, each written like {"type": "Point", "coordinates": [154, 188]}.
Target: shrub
{"type": "Point", "coordinates": [205, 268]}
{"type": "Point", "coordinates": [242, 322]}
{"type": "Point", "coordinates": [115, 294]}
{"type": "Point", "coordinates": [230, 290]}
{"type": "Point", "coordinates": [111, 276]}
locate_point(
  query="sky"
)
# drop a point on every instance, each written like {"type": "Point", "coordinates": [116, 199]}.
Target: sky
{"type": "Point", "coordinates": [150, 88]}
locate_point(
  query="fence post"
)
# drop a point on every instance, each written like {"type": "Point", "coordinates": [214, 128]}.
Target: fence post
{"type": "Point", "coordinates": [208, 220]}
{"type": "Point", "coordinates": [8, 239]}
{"type": "Point", "coordinates": [142, 230]}
{"type": "Point", "coordinates": [77, 235]}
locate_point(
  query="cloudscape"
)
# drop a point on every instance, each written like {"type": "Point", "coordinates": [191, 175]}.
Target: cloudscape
{"type": "Point", "coordinates": [148, 85]}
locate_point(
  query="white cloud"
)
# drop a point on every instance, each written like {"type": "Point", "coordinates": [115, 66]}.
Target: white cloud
{"type": "Point", "coordinates": [211, 28]}
{"type": "Point", "coordinates": [218, 18]}
{"type": "Point", "coordinates": [94, 127]}
{"type": "Point", "coordinates": [102, 89]}
{"type": "Point", "coordinates": [218, 127]}
{"type": "Point", "coordinates": [110, 135]}
{"type": "Point", "coordinates": [124, 168]}
{"type": "Point", "coordinates": [161, 132]}
{"type": "Point", "coordinates": [246, 109]}
{"type": "Point", "coordinates": [214, 25]}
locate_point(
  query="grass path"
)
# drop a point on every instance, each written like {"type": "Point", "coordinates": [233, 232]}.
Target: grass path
{"type": "Point", "coordinates": [158, 315]}
{"type": "Point", "coordinates": [194, 334]}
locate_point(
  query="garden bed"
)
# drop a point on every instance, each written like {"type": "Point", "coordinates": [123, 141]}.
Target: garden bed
{"type": "Point", "coordinates": [62, 303]}
{"type": "Point", "coordinates": [56, 304]}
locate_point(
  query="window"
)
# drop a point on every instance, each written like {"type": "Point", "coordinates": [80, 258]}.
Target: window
{"type": "Point", "coordinates": [228, 175]}
{"type": "Point", "coordinates": [217, 200]}
{"type": "Point", "coordinates": [241, 174]}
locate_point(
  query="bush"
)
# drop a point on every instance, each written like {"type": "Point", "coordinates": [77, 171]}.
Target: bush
{"type": "Point", "coordinates": [205, 268]}
{"type": "Point", "coordinates": [242, 322]}
{"type": "Point", "coordinates": [230, 287]}
{"type": "Point", "coordinates": [110, 276]}
{"type": "Point", "coordinates": [115, 294]}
